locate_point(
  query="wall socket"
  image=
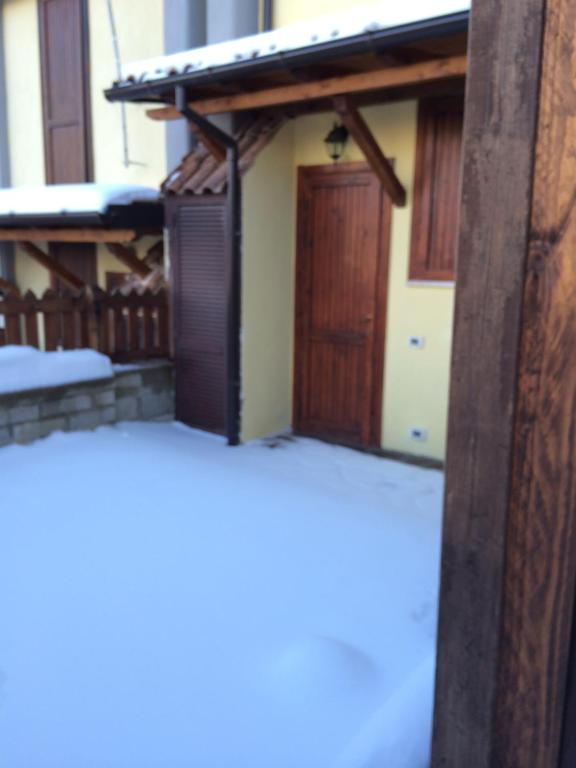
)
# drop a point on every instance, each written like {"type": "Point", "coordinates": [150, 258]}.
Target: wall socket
{"type": "Point", "coordinates": [419, 433]}
{"type": "Point", "coordinates": [416, 342]}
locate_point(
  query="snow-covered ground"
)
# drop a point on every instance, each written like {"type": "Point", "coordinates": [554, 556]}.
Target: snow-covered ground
{"type": "Point", "coordinates": [169, 602]}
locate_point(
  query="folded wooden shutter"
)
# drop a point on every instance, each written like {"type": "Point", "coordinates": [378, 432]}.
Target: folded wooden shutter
{"type": "Point", "coordinates": [436, 189]}
{"type": "Point", "coordinates": [65, 99]}
{"type": "Point", "coordinates": [65, 91]}
{"type": "Point", "coordinates": [199, 249]}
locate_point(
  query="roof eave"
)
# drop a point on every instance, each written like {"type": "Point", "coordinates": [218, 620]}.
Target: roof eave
{"type": "Point", "coordinates": [162, 89]}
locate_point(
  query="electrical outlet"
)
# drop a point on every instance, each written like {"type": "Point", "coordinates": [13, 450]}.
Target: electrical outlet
{"type": "Point", "coordinates": [418, 433]}
{"type": "Point", "coordinates": [416, 342]}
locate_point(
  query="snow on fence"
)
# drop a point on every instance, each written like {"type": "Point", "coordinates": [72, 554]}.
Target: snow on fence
{"type": "Point", "coordinates": [124, 327]}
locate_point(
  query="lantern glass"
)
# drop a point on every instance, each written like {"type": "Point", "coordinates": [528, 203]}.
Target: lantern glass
{"type": "Point", "coordinates": [335, 141]}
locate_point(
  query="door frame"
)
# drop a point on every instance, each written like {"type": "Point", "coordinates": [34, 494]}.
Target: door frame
{"type": "Point", "coordinates": [305, 172]}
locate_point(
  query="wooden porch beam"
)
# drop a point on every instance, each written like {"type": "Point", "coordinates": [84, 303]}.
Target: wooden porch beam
{"type": "Point", "coordinates": [215, 149]}
{"type": "Point", "coordinates": [509, 548]}
{"type": "Point", "coordinates": [376, 80]}
{"type": "Point", "coordinates": [8, 287]}
{"type": "Point", "coordinates": [128, 257]}
{"type": "Point", "coordinates": [363, 136]}
{"type": "Point", "coordinates": [84, 235]}
{"type": "Point", "coordinates": [52, 265]}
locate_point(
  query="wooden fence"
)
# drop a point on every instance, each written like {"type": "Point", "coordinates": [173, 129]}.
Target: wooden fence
{"type": "Point", "coordinates": [125, 327]}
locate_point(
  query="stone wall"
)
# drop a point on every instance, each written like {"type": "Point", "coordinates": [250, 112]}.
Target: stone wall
{"type": "Point", "coordinates": [135, 392]}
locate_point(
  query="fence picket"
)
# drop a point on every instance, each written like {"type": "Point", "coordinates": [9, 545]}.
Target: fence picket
{"type": "Point", "coordinates": [126, 327]}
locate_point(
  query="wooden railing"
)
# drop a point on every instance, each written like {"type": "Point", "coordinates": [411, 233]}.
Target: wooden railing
{"type": "Point", "coordinates": [125, 327]}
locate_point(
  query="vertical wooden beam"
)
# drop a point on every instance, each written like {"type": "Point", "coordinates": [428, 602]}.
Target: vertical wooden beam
{"type": "Point", "coordinates": [509, 556]}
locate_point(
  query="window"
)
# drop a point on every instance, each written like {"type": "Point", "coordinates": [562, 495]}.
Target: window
{"type": "Point", "coordinates": [436, 189]}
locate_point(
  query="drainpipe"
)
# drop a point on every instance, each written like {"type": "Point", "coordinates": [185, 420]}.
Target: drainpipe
{"type": "Point", "coordinates": [234, 261]}
{"type": "Point", "coordinates": [184, 28]}
{"type": "Point", "coordinates": [6, 249]}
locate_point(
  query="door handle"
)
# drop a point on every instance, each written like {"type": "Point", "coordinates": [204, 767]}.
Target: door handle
{"type": "Point", "coordinates": [367, 319]}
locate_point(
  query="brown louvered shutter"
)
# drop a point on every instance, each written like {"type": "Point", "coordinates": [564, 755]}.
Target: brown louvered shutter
{"type": "Point", "coordinates": [198, 253]}
{"type": "Point", "coordinates": [436, 189]}
{"type": "Point", "coordinates": [65, 92]}
{"type": "Point", "coordinates": [65, 100]}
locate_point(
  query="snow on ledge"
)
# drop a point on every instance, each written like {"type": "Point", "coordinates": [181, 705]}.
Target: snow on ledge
{"type": "Point", "coordinates": [25, 368]}
{"type": "Point", "coordinates": [56, 199]}
{"type": "Point", "coordinates": [363, 20]}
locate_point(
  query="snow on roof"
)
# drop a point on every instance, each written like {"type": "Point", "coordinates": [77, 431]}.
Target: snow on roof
{"type": "Point", "coordinates": [363, 20]}
{"type": "Point", "coordinates": [60, 199]}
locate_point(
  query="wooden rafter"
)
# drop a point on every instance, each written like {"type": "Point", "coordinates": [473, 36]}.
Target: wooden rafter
{"type": "Point", "coordinates": [52, 265]}
{"type": "Point", "coordinates": [155, 253]}
{"type": "Point", "coordinates": [85, 235]}
{"type": "Point", "coordinates": [362, 135]}
{"type": "Point", "coordinates": [215, 149]}
{"type": "Point", "coordinates": [7, 287]}
{"type": "Point", "coordinates": [412, 74]}
{"type": "Point", "coordinates": [128, 257]}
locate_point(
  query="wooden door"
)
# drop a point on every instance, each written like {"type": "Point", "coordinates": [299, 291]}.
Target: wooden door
{"type": "Point", "coordinates": [65, 100]}
{"type": "Point", "coordinates": [343, 230]}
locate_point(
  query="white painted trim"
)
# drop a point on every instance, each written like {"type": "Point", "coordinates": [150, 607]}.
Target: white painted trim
{"type": "Point", "coordinates": [430, 283]}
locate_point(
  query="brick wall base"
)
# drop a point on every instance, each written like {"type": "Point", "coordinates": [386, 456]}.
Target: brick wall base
{"type": "Point", "coordinates": [136, 392]}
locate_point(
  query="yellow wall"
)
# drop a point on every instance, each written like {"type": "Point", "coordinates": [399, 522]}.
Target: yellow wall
{"type": "Point", "coordinates": [267, 289]}
{"type": "Point", "coordinates": [140, 31]}
{"type": "Point", "coordinates": [24, 92]}
{"type": "Point", "coordinates": [140, 34]}
{"type": "Point", "coordinates": [291, 11]}
{"type": "Point", "coordinates": [416, 380]}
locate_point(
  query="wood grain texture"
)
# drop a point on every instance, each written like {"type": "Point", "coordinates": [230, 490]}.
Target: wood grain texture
{"type": "Point", "coordinates": [498, 164]}
{"type": "Point", "coordinates": [343, 232]}
{"type": "Point", "coordinates": [436, 189]}
{"type": "Point", "coordinates": [509, 560]}
{"type": "Point", "coordinates": [78, 235]}
{"type": "Point", "coordinates": [390, 77]}
{"type": "Point", "coordinates": [538, 595]}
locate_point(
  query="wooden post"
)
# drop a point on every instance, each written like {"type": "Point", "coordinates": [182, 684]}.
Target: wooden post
{"type": "Point", "coordinates": [509, 553]}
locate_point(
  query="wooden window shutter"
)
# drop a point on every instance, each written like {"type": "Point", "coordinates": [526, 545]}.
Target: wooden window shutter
{"type": "Point", "coordinates": [436, 189]}
{"type": "Point", "coordinates": [65, 90]}
{"type": "Point", "coordinates": [199, 253]}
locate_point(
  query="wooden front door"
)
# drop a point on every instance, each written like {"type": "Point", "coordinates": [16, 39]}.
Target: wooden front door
{"type": "Point", "coordinates": [341, 275]}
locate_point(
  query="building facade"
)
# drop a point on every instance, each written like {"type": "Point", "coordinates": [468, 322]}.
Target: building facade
{"type": "Point", "coordinates": [412, 283]}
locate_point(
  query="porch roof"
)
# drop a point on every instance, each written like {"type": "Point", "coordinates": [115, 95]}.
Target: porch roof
{"type": "Point", "coordinates": [365, 39]}
{"type": "Point", "coordinates": [102, 206]}
{"type": "Point", "coordinates": [200, 172]}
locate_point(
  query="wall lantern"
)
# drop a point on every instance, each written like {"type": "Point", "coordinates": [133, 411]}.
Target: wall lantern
{"type": "Point", "coordinates": [336, 141]}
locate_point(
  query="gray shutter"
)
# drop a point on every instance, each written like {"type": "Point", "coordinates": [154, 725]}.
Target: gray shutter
{"type": "Point", "coordinates": [198, 251]}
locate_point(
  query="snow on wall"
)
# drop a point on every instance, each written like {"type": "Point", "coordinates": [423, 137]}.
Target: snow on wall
{"type": "Point", "coordinates": [56, 199]}
{"type": "Point", "coordinates": [363, 20]}
{"type": "Point", "coordinates": [26, 368]}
